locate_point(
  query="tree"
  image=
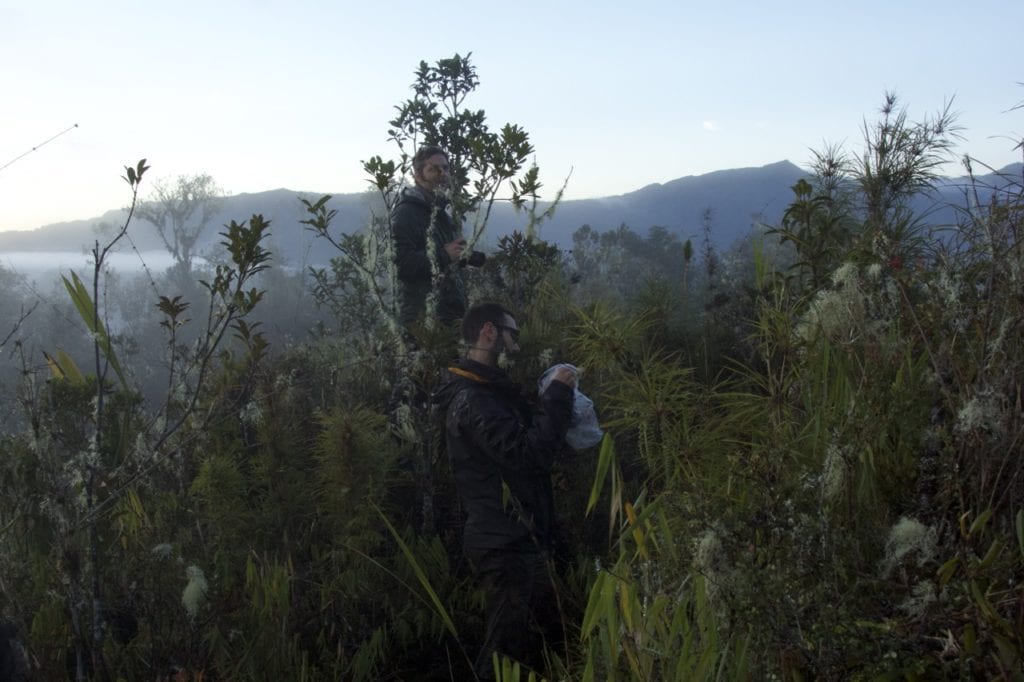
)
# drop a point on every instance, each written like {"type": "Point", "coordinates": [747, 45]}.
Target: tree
{"type": "Point", "coordinates": [181, 210]}
{"type": "Point", "coordinates": [482, 161]}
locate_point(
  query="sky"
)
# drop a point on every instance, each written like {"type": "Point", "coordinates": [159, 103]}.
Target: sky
{"type": "Point", "coordinates": [267, 94]}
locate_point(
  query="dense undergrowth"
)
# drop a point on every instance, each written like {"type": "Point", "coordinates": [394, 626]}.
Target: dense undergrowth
{"type": "Point", "coordinates": [812, 467]}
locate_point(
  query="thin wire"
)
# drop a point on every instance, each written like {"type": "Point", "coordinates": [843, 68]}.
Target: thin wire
{"type": "Point", "coordinates": [18, 158]}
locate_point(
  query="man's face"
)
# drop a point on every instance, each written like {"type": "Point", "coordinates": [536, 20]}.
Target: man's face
{"type": "Point", "coordinates": [507, 340]}
{"type": "Point", "coordinates": [434, 174]}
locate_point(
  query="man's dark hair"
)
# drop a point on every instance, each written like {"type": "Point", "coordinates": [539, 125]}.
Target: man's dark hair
{"type": "Point", "coordinates": [424, 153]}
{"type": "Point", "coordinates": [479, 315]}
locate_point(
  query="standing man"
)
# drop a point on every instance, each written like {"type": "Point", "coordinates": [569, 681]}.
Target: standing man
{"type": "Point", "coordinates": [428, 243]}
{"type": "Point", "coordinates": [502, 449]}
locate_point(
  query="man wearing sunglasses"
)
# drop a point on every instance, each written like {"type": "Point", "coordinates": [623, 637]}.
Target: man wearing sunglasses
{"type": "Point", "coordinates": [502, 448]}
{"type": "Point", "coordinates": [429, 248]}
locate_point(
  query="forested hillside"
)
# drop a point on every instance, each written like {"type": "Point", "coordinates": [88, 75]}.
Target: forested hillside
{"type": "Point", "coordinates": [733, 203]}
{"type": "Point", "coordinates": [811, 466]}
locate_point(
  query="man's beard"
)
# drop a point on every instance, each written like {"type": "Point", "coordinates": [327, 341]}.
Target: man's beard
{"type": "Point", "coordinates": [503, 357]}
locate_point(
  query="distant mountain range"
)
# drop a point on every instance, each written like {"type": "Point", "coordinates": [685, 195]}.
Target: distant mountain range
{"type": "Point", "coordinates": [735, 200]}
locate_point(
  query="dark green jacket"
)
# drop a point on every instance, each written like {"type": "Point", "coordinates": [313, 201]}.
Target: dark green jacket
{"type": "Point", "coordinates": [502, 448]}
{"type": "Point", "coordinates": [416, 221]}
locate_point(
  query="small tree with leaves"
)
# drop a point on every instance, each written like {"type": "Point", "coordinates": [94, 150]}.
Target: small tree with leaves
{"type": "Point", "coordinates": [181, 210]}
{"type": "Point", "coordinates": [482, 161]}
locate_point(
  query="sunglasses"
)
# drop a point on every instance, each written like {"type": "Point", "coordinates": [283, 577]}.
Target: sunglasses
{"type": "Point", "coordinates": [512, 331]}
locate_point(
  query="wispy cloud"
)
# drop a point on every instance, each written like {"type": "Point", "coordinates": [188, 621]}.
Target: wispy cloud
{"type": "Point", "coordinates": [711, 126]}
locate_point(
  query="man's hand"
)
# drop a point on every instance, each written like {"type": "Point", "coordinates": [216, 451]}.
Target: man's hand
{"type": "Point", "coordinates": [566, 376]}
{"type": "Point", "coordinates": [455, 248]}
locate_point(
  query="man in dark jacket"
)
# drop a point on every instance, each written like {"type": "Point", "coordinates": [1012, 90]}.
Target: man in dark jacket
{"type": "Point", "coordinates": [428, 244]}
{"type": "Point", "coordinates": [502, 449]}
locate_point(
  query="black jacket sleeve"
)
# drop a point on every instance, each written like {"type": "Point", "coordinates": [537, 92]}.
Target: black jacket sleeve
{"type": "Point", "coordinates": [501, 434]}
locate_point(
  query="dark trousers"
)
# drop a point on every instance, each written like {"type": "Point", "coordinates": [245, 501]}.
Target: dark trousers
{"type": "Point", "coordinates": [520, 601]}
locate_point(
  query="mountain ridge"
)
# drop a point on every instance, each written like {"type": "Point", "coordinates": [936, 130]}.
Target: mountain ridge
{"type": "Point", "coordinates": [730, 201]}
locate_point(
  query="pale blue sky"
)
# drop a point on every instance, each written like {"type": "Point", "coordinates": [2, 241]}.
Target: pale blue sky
{"type": "Point", "coordinates": [264, 94]}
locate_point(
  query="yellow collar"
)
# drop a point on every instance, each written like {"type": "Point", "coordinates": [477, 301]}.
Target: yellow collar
{"type": "Point", "coordinates": [467, 374]}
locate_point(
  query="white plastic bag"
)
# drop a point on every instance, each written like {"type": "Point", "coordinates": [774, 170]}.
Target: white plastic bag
{"type": "Point", "coordinates": [584, 431]}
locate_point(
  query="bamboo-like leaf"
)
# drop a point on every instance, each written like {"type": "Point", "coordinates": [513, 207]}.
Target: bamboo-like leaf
{"type": "Point", "coordinates": [627, 605]}
{"type": "Point", "coordinates": [86, 309]}
{"type": "Point", "coordinates": [667, 544]}
{"type": "Point", "coordinates": [741, 659]}
{"type": "Point", "coordinates": [601, 606]}
{"type": "Point", "coordinates": [592, 613]}
{"type": "Point", "coordinates": [588, 669]}
{"type": "Point", "coordinates": [250, 571]}
{"type": "Point", "coordinates": [945, 572]}
{"type": "Point", "coordinates": [421, 576]}
{"type": "Point", "coordinates": [630, 513]}
{"type": "Point", "coordinates": [63, 367]}
{"type": "Point", "coordinates": [636, 531]}
{"type": "Point", "coordinates": [615, 508]}
{"type": "Point", "coordinates": [71, 370]}
{"type": "Point", "coordinates": [135, 504]}
{"type": "Point", "coordinates": [993, 552]}
{"type": "Point", "coordinates": [1020, 531]}
{"type": "Point", "coordinates": [81, 298]}
{"type": "Point", "coordinates": [980, 522]}
{"type": "Point", "coordinates": [657, 616]}
{"type": "Point", "coordinates": [970, 640]}
{"type": "Point", "coordinates": [612, 618]}
{"type": "Point", "coordinates": [1008, 653]}
{"type": "Point", "coordinates": [982, 602]}
{"type": "Point", "coordinates": [633, 660]}
{"type": "Point", "coordinates": [505, 669]}
{"type": "Point", "coordinates": [604, 461]}
{"type": "Point", "coordinates": [55, 369]}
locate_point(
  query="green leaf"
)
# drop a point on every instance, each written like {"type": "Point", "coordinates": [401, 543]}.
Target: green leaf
{"type": "Point", "coordinates": [1008, 653]}
{"type": "Point", "coordinates": [946, 571]}
{"type": "Point", "coordinates": [421, 576]}
{"type": "Point", "coordinates": [980, 522]}
{"type": "Point", "coordinates": [983, 604]}
{"type": "Point", "coordinates": [993, 552]}
{"type": "Point", "coordinates": [90, 315]}
{"type": "Point", "coordinates": [970, 640]}
{"type": "Point", "coordinates": [55, 368]}
{"type": "Point", "coordinates": [69, 367]}
{"type": "Point", "coordinates": [1020, 531]}
{"type": "Point", "coordinates": [592, 612]}
{"type": "Point", "coordinates": [604, 461]}
{"type": "Point", "coordinates": [63, 367]}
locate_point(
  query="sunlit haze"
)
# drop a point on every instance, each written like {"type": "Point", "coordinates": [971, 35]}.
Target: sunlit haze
{"type": "Point", "coordinates": [266, 94]}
